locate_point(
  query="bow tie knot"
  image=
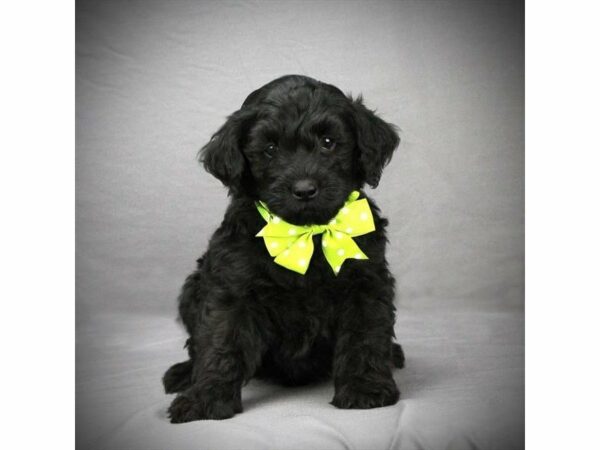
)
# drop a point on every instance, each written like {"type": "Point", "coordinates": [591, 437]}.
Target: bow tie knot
{"type": "Point", "coordinates": [292, 245]}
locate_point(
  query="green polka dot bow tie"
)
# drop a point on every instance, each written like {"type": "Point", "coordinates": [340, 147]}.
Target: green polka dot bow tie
{"type": "Point", "coordinates": [292, 245]}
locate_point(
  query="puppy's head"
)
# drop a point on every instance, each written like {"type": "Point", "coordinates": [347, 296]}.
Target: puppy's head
{"type": "Point", "coordinates": [301, 146]}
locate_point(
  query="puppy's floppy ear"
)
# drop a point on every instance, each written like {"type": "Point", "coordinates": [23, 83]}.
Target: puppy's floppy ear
{"type": "Point", "coordinates": [222, 157]}
{"type": "Point", "coordinates": [376, 140]}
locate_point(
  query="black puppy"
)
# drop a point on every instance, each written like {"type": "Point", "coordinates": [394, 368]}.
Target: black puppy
{"type": "Point", "coordinates": [300, 147]}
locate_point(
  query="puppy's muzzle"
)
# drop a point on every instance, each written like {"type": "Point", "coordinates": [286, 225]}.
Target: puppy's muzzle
{"type": "Point", "coordinates": [305, 189]}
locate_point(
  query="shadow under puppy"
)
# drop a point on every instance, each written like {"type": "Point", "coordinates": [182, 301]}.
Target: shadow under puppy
{"type": "Point", "coordinates": [311, 297]}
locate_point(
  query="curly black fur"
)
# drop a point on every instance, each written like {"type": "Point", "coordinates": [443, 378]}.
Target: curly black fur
{"type": "Point", "coordinates": [249, 317]}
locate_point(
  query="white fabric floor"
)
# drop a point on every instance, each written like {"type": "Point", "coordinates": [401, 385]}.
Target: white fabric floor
{"type": "Point", "coordinates": [462, 388]}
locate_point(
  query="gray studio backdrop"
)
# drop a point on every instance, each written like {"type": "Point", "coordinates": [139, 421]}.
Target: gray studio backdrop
{"type": "Point", "coordinates": [156, 78]}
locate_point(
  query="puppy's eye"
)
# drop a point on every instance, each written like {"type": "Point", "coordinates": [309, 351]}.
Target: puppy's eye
{"type": "Point", "coordinates": [270, 150]}
{"type": "Point", "coordinates": [327, 143]}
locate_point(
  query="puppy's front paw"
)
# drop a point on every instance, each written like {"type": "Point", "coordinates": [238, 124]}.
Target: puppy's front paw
{"type": "Point", "coordinates": [188, 407]}
{"type": "Point", "coordinates": [185, 409]}
{"type": "Point", "coordinates": [364, 395]}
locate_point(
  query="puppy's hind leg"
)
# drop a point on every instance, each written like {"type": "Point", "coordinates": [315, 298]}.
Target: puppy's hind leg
{"type": "Point", "coordinates": [397, 356]}
{"type": "Point", "coordinates": [178, 377]}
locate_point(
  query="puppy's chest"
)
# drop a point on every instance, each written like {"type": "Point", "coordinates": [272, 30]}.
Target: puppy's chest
{"type": "Point", "coordinates": [298, 318]}
{"type": "Point", "coordinates": [301, 309]}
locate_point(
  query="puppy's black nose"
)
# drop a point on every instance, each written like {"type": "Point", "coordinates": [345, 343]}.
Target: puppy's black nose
{"type": "Point", "coordinates": [305, 189]}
